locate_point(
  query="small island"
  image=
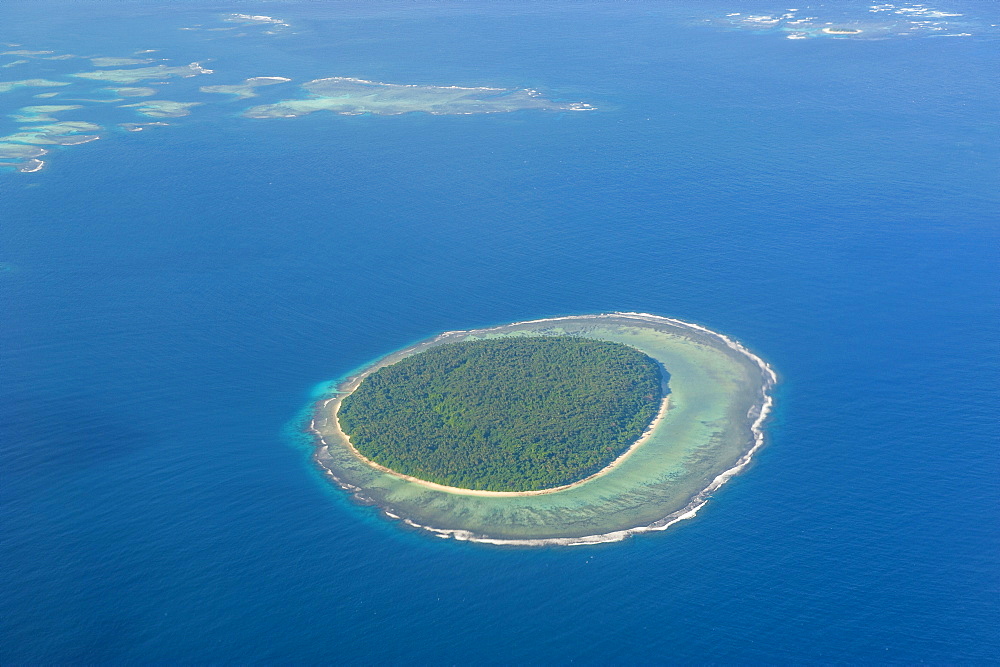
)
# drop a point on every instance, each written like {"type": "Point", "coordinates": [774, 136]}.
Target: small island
{"type": "Point", "coordinates": [601, 467]}
{"type": "Point", "coordinates": [506, 414]}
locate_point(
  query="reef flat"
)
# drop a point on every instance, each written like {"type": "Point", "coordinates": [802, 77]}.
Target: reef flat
{"type": "Point", "coordinates": [162, 108]}
{"type": "Point", "coordinates": [719, 399]}
{"type": "Point", "coordinates": [7, 86]}
{"type": "Point", "coordinates": [118, 62]}
{"type": "Point", "coordinates": [121, 78]}
{"type": "Point", "coordinates": [246, 89]}
{"type": "Point", "coordinates": [127, 77]}
{"type": "Point", "coordinates": [879, 21]}
{"type": "Point", "coordinates": [89, 79]}
{"type": "Point", "coordinates": [128, 91]}
{"type": "Point", "coordinates": [348, 96]}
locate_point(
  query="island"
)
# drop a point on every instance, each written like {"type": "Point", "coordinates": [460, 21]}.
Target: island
{"type": "Point", "coordinates": [505, 414]}
{"type": "Point", "coordinates": [590, 469]}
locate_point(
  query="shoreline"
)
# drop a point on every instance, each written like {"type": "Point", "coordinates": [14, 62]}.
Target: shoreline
{"type": "Point", "coordinates": [457, 490]}
{"type": "Point", "coordinates": [689, 510]}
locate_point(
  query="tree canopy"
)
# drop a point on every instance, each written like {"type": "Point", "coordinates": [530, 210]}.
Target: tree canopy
{"type": "Point", "coordinates": [505, 414]}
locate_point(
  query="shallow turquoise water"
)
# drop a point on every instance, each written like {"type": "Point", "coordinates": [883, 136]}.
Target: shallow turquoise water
{"type": "Point", "coordinates": [719, 396]}
{"type": "Point", "coordinates": [175, 295]}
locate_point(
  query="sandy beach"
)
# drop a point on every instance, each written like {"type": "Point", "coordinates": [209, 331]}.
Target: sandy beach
{"type": "Point", "coordinates": [664, 408]}
{"type": "Point", "coordinates": [330, 438]}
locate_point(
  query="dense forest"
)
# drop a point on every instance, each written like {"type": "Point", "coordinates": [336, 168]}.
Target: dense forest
{"type": "Point", "coordinates": [505, 414]}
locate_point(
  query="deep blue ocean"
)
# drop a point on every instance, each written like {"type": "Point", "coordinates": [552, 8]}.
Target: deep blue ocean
{"type": "Point", "coordinates": [173, 298]}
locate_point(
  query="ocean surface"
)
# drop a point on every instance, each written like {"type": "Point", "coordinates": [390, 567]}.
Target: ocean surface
{"type": "Point", "coordinates": [173, 298]}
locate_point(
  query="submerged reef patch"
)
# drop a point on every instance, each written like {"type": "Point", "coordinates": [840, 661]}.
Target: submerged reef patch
{"type": "Point", "coordinates": [127, 91]}
{"type": "Point", "coordinates": [7, 86]}
{"type": "Point", "coordinates": [245, 89]}
{"type": "Point", "coordinates": [880, 21]}
{"type": "Point", "coordinates": [64, 133]}
{"type": "Point", "coordinates": [162, 108]}
{"type": "Point", "coordinates": [349, 96]}
{"type": "Point", "coordinates": [118, 62]}
{"type": "Point", "coordinates": [138, 74]}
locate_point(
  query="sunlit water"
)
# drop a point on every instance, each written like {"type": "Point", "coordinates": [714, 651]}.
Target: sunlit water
{"type": "Point", "coordinates": [175, 296]}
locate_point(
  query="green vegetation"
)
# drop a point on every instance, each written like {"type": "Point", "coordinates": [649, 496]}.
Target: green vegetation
{"type": "Point", "coordinates": [505, 414]}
